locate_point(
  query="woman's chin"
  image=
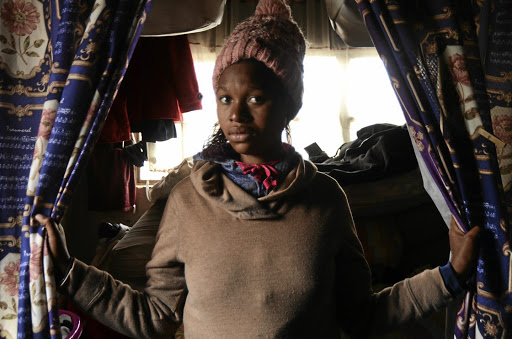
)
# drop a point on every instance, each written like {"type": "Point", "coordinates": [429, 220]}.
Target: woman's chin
{"type": "Point", "coordinates": [240, 147]}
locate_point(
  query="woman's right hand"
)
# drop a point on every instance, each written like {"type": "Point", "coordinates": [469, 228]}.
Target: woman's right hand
{"type": "Point", "coordinates": [464, 247]}
{"type": "Point", "coordinates": [56, 243]}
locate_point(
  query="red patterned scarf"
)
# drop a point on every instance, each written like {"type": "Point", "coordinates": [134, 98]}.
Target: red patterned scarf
{"type": "Point", "coordinates": [265, 173]}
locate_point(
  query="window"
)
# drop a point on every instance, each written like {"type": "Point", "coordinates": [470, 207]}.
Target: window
{"type": "Point", "coordinates": [344, 91]}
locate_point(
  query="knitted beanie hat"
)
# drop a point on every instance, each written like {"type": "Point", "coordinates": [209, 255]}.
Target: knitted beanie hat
{"type": "Point", "coordinates": [272, 37]}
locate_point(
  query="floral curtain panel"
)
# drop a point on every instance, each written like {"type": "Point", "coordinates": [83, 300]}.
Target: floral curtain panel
{"type": "Point", "coordinates": [449, 63]}
{"type": "Point", "coordinates": [61, 62]}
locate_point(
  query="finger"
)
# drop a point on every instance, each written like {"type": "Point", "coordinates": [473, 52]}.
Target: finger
{"type": "Point", "coordinates": [46, 222]}
{"type": "Point", "coordinates": [473, 237]}
{"type": "Point", "coordinates": [455, 227]}
{"type": "Point", "coordinates": [42, 219]}
{"type": "Point", "coordinates": [475, 231]}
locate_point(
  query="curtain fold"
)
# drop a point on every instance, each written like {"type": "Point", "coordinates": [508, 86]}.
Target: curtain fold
{"type": "Point", "coordinates": [61, 62]}
{"type": "Point", "coordinates": [449, 63]}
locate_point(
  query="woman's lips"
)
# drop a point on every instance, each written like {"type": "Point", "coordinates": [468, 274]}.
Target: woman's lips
{"type": "Point", "coordinates": [240, 134]}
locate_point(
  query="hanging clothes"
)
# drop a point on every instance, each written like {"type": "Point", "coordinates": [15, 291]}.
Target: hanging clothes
{"type": "Point", "coordinates": [160, 84]}
{"type": "Point", "coordinates": [112, 183]}
{"type": "Point", "coordinates": [155, 130]}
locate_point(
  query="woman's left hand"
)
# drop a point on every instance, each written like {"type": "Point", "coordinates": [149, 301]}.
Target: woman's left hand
{"type": "Point", "coordinates": [56, 243]}
{"type": "Point", "coordinates": [464, 247]}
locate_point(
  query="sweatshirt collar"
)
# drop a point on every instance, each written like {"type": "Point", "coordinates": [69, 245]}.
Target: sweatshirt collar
{"type": "Point", "coordinates": [212, 183]}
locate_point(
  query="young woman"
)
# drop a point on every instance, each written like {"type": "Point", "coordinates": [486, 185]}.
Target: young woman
{"type": "Point", "coordinates": [256, 242]}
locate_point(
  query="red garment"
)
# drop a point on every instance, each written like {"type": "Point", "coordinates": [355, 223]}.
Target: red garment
{"type": "Point", "coordinates": [265, 172]}
{"type": "Point", "coordinates": [117, 125]}
{"type": "Point", "coordinates": [160, 83]}
{"type": "Point", "coordinates": [111, 180]}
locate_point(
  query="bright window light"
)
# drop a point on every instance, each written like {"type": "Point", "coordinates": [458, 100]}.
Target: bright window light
{"type": "Point", "coordinates": [370, 97]}
{"type": "Point", "coordinates": [318, 120]}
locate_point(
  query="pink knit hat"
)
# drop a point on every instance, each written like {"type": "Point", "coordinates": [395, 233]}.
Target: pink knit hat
{"type": "Point", "coordinates": [274, 38]}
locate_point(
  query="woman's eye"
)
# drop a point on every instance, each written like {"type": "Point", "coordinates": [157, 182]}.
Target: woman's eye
{"type": "Point", "coordinates": [257, 99]}
{"type": "Point", "coordinates": [224, 99]}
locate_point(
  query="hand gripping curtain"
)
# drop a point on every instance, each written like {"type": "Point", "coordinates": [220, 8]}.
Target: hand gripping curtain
{"type": "Point", "coordinates": [450, 63]}
{"type": "Point", "coordinates": [61, 62]}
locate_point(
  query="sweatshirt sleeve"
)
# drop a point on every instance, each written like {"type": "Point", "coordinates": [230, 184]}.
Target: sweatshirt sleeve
{"type": "Point", "coordinates": [450, 279]}
{"type": "Point", "coordinates": [154, 313]}
{"type": "Point", "coordinates": [360, 310]}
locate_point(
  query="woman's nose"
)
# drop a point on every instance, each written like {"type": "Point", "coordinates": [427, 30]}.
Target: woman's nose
{"type": "Point", "coordinates": [240, 113]}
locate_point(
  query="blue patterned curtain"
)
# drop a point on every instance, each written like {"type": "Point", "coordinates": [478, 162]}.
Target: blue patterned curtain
{"type": "Point", "coordinates": [61, 62]}
{"type": "Point", "coordinates": [450, 63]}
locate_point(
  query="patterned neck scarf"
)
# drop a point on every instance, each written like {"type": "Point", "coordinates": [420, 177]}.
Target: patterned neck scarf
{"type": "Point", "coordinates": [257, 180]}
{"type": "Point", "coordinates": [265, 173]}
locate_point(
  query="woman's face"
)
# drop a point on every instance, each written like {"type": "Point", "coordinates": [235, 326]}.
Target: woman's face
{"type": "Point", "coordinates": [251, 111]}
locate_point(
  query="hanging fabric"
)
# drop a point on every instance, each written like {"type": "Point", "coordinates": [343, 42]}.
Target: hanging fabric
{"type": "Point", "coordinates": [60, 65]}
{"type": "Point", "coordinates": [347, 22]}
{"type": "Point", "coordinates": [449, 63]}
{"type": "Point", "coordinates": [111, 179]}
{"type": "Point", "coordinates": [175, 17]}
{"type": "Point", "coordinates": [166, 68]}
{"type": "Point", "coordinates": [311, 16]}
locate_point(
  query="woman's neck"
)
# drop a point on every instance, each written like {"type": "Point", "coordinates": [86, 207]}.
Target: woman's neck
{"type": "Point", "coordinates": [276, 154]}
